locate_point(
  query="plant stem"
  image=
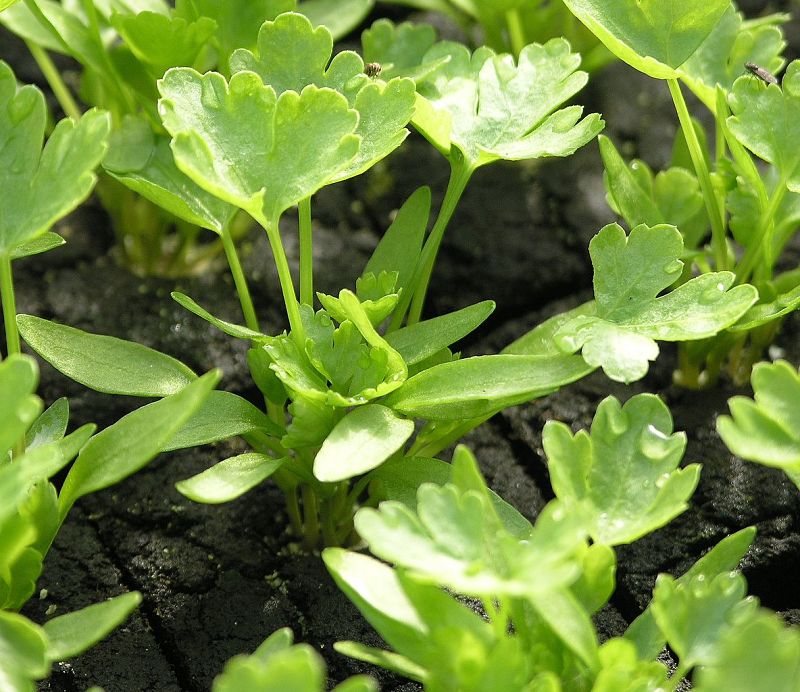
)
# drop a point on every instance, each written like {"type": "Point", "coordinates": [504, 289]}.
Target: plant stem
{"type": "Point", "coordinates": [310, 517]}
{"type": "Point", "coordinates": [239, 280]}
{"type": "Point", "coordinates": [306, 252]}
{"type": "Point", "coordinates": [53, 77]}
{"type": "Point", "coordinates": [757, 244]}
{"type": "Point", "coordinates": [285, 277]}
{"type": "Point", "coordinates": [516, 33]}
{"type": "Point", "coordinates": [9, 305]}
{"type": "Point", "coordinates": [703, 176]}
{"type": "Point", "coordinates": [460, 173]}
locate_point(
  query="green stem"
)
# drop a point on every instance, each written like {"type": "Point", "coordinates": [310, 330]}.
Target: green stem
{"type": "Point", "coordinates": [306, 253]}
{"type": "Point", "coordinates": [53, 77]}
{"type": "Point", "coordinates": [310, 517]}
{"type": "Point", "coordinates": [515, 31]}
{"type": "Point", "coordinates": [9, 305]}
{"type": "Point", "coordinates": [460, 173]}
{"type": "Point", "coordinates": [285, 277]}
{"type": "Point", "coordinates": [756, 245]}
{"type": "Point", "coordinates": [239, 280]}
{"type": "Point", "coordinates": [703, 175]}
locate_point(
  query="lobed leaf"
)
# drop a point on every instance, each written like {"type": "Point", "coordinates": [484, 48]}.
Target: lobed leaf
{"type": "Point", "coordinates": [766, 429]}
{"type": "Point", "coordinates": [292, 55]}
{"type": "Point", "coordinates": [400, 49]}
{"type": "Point", "coordinates": [104, 363]}
{"type": "Point", "coordinates": [766, 120]}
{"type": "Point", "coordinates": [244, 144]}
{"type": "Point", "coordinates": [19, 406]}
{"type": "Point", "coordinates": [624, 473]}
{"type": "Point", "coordinates": [37, 175]}
{"type": "Point", "coordinates": [629, 273]}
{"type": "Point", "coordinates": [653, 36]}
{"type": "Point", "coordinates": [489, 108]}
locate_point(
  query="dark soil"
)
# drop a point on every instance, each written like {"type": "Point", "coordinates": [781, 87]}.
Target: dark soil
{"type": "Point", "coordinates": [217, 580]}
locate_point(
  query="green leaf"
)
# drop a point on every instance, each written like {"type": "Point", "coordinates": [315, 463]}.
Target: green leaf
{"type": "Point", "coordinates": [37, 175]}
{"type": "Point", "coordinates": [766, 120]}
{"type": "Point", "coordinates": [251, 148]}
{"type": "Point", "coordinates": [382, 658]}
{"type": "Point", "coordinates": [721, 559]}
{"type": "Point", "coordinates": [235, 330]}
{"type": "Point", "coordinates": [16, 479]}
{"type": "Point", "coordinates": [400, 49]}
{"type": "Point", "coordinates": [399, 479]}
{"type": "Point", "coordinates": [489, 108]}
{"type": "Point", "coordinates": [758, 652]}
{"type": "Point", "coordinates": [296, 669]}
{"type": "Point", "coordinates": [624, 474]}
{"type": "Point", "coordinates": [45, 242]}
{"type": "Point", "coordinates": [104, 363]}
{"type": "Point", "coordinates": [672, 196]}
{"type": "Point", "coordinates": [22, 647]}
{"type": "Point", "coordinates": [623, 671]}
{"type": "Point", "coordinates": [693, 614]}
{"type": "Point", "coordinates": [764, 313]}
{"type": "Point", "coordinates": [400, 247]}
{"type": "Point", "coordinates": [237, 21]}
{"type": "Point", "coordinates": [653, 36]}
{"type": "Point", "coordinates": [292, 55]}
{"type": "Point", "coordinates": [629, 274]}
{"type": "Point", "coordinates": [160, 41]}
{"type": "Point", "coordinates": [222, 415]}
{"type": "Point", "coordinates": [129, 444]}
{"type": "Point", "coordinates": [423, 339]}
{"type": "Point", "coordinates": [50, 426]}
{"type": "Point", "coordinates": [143, 162]}
{"type": "Point", "coordinates": [720, 59]}
{"type": "Point", "coordinates": [483, 385]}
{"type": "Point", "coordinates": [19, 407]}
{"type": "Point", "coordinates": [72, 634]}
{"type": "Point", "coordinates": [340, 17]}
{"type": "Point", "coordinates": [766, 429]}
{"type": "Point", "coordinates": [5, 4]}
{"type": "Point", "coordinates": [362, 440]}
{"type": "Point", "coordinates": [230, 478]}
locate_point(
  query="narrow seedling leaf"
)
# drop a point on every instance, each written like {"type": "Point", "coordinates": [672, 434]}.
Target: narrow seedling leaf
{"type": "Point", "coordinates": [221, 416]}
{"type": "Point", "coordinates": [19, 406]}
{"type": "Point", "coordinates": [23, 650]}
{"type": "Point", "coordinates": [625, 472]}
{"type": "Point", "coordinates": [72, 634]}
{"type": "Point", "coordinates": [229, 479]}
{"type": "Point", "coordinates": [104, 363]}
{"type": "Point", "coordinates": [361, 441]}
{"type": "Point", "coordinates": [49, 427]}
{"type": "Point", "coordinates": [45, 242]}
{"type": "Point", "coordinates": [653, 36]}
{"type": "Point", "coordinates": [629, 274]}
{"type": "Point", "coordinates": [130, 443]}
{"type": "Point", "coordinates": [235, 330]}
{"type": "Point", "coordinates": [483, 385]}
{"type": "Point", "coordinates": [423, 339]}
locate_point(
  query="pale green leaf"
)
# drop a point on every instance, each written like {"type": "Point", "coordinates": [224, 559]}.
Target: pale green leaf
{"type": "Point", "coordinates": [235, 330]}
{"type": "Point", "coordinates": [229, 479]}
{"type": "Point", "coordinates": [653, 36]}
{"type": "Point", "coordinates": [624, 474]}
{"type": "Point", "coordinates": [22, 648]}
{"type": "Point", "coordinates": [340, 17]}
{"type": "Point", "coordinates": [251, 148]}
{"type": "Point", "coordinates": [46, 241]}
{"type": "Point", "coordinates": [72, 634]}
{"type": "Point", "coordinates": [37, 175]}
{"type": "Point", "coordinates": [767, 429]}
{"type": "Point", "coordinates": [104, 363]}
{"type": "Point", "coordinates": [629, 274]}
{"type": "Point", "coordinates": [50, 426]}
{"type": "Point", "coordinates": [19, 406]}
{"type": "Point", "coordinates": [362, 440]}
{"type": "Point", "coordinates": [488, 107]}
{"type": "Point", "coordinates": [766, 120]}
{"type": "Point", "coordinates": [400, 49]}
